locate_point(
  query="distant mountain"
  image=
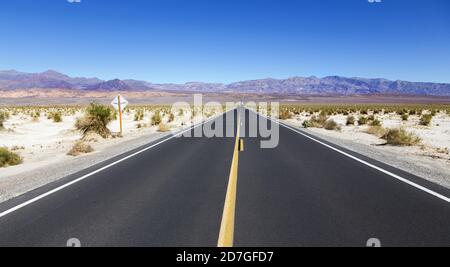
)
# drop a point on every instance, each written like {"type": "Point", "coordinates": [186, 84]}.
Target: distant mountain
{"type": "Point", "coordinates": [113, 85]}
{"type": "Point", "coordinates": [332, 85]}
{"type": "Point", "coordinates": [49, 79]}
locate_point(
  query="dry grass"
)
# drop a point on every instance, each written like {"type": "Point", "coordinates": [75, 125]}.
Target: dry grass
{"type": "Point", "coordinates": [163, 128]}
{"type": "Point", "coordinates": [3, 117]}
{"type": "Point", "coordinates": [55, 116]}
{"type": "Point", "coordinates": [96, 120]}
{"type": "Point", "coordinates": [426, 119]}
{"type": "Point", "coordinates": [362, 120]}
{"type": "Point", "coordinates": [139, 115]}
{"type": "Point", "coordinates": [400, 137]}
{"type": "Point", "coordinates": [331, 125]}
{"type": "Point", "coordinates": [156, 118]}
{"type": "Point", "coordinates": [378, 131]}
{"type": "Point", "coordinates": [350, 120]}
{"type": "Point", "coordinates": [8, 158]}
{"type": "Point", "coordinates": [79, 148]}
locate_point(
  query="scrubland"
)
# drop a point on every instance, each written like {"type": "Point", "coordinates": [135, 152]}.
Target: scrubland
{"type": "Point", "coordinates": [417, 134]}
{"type": "Point", "coordinates": [32, 136]}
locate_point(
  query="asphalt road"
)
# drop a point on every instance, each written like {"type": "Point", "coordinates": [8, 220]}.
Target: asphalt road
{"type": "Point", "coordinates": [300, 193]}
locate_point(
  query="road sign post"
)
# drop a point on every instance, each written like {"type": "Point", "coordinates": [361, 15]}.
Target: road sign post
{"type": "Point", "coordinates": [120, 103]}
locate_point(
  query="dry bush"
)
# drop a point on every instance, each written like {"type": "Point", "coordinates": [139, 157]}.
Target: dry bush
{"type": "Point", "coordinates": [375, 122]}
{"type": "Point", "coordinates": [139, 115]}
{"type": "Point", "coordinates": [331, 125]}
{"type": "Point", "coordinates": [362, 120]}
{"type": "Point", "coordinates": [96, 120]}
{"type": "Point", "coordinates": [350, 120]}
{"type": "Point", "coordinates": [156, 118]}
{"type": "Point", "coordinates": [426, 119]}
{"type": "Point", "coordinates": [378, 131]}
{"type": "Point", "coordinates": [320, 121]}
{"type": "Point", "coordinates": [55, 116]}
{"type": "Point", "coordinates": [35, 116]}
{"type": "Point", "coordinates": [171, 117]}
{"type": "Point", "coordinates": [400, 137]}
{"type": "Point", "coordinates": [163, 127]}
{"type": "Point", "coordinates": [80, 148]}
{"type": "Point", "coordinates": [285, 114]}
{"type": "Point", "coordinates": [3, 117]}
{"type": "Point", "coordinates": [8, 158]}
{"type": "Point", "coordinates": [405, 117]}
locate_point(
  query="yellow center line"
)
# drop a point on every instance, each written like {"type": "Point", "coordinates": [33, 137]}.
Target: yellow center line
{"type": "Point", "coordinates": [226, 236]}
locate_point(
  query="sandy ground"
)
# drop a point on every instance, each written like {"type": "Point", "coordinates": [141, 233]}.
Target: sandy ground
{"type": "Point", "coordinates": [44, 144]}
{"type": "Point", "coordinates": [430, 159]}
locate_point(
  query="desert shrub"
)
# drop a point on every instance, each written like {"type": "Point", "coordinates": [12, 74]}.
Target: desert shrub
{"type": "Point", "coordinates": [80, 148]}
{"type": "Point", "coordinates": [412, 112]}
{"type": "Point", "coordinates": [171, 117]}
{"type": "Point", "coordinates": [378, 131]}
{"type": "Point", "coordinates": [96, 120]}
{"type": "Point", "coordinates": [351, 120]}
{"type": "Point", "coordinates": [364, 112]}
{"type": "Point", "coordinates": [140, 125]}
{"type": "Point", "coordinates": [400, 137]}
{"type": "Point", "coordinates": [331, 125]}
{"type": "Point", "coordinates": [163, 128]}
{"type": "Point", "coordinates": [362, 120]}
{"type": "Point", "coordinates": [139, 115]}
{"type": "Point", "coordinates": [35, 116]}
{"type": "Point", "coordinates": [425, 120]}
{"type": "Point", "coordinates": [285, 114]}
{"type": "Point", "coordinates": [156, 118]}
{"type": "Point", "coordinates": [371, 118]}
{"type": "Point", "coordinates": [375, 122]}
{"type": "Point", "coordinates": [3, 117]}
{"type": "Point", "coordinates": [181, 112]}
{"type": "Point", "coordinates": [8, 158]}
{"type": "Point", "coordinates": [405, 117]}
{"type": "Point", "coordinates": [55, 116]}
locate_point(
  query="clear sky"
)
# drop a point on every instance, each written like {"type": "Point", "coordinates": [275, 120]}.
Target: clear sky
{"type": "Point", "coordinates": [228, 40]}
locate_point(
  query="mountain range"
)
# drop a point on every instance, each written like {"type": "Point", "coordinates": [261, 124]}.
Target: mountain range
{"type": "Point", "coordinates": [331, 85]}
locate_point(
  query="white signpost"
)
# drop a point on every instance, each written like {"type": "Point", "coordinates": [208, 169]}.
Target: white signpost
{"type": "Point", "coordinates": [119, 103]}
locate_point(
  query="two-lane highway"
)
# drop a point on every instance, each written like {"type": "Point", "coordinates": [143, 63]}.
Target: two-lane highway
{"type": "Point", "coordinates": [301, 193]}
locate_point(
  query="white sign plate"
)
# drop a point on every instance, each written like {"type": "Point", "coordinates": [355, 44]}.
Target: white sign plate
{"type": "Point", "coordinates": [123, 103]}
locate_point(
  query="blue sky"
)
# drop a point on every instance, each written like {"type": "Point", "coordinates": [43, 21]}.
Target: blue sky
{"type": "Point", "coordinates": [228, 40]}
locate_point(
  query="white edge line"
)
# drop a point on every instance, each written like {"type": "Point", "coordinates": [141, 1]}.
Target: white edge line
{"type": "Point", "coordinates": [26, 203]}
{"type": "Point", "coordinates": [429, 191]}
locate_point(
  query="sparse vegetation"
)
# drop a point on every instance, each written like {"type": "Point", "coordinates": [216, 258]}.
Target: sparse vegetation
{"type": "Point", "coordinates": [331, 125]}
{"type": "Point", "coordinates": [375, 122]}
{"type": "Point", "coordinates": [362, 120]}
{"type": "Point", "coordinates": [171, 117]}
{"type": "Point", "coordinates": [96, 120]}
{"type": "Point", "coordinates": [285, 114]}
{"type": "Point", "coordinates": [163, 127]}
{"type": "Point", "coordinates": [350, 120]}
{"type": "Point", "coordinates": [79, 148]}
{"type": "Point", "coordinates": [426, 119]}
{"type": "Point", "coordinates": [156, 118]}
{"type": "Point", "coordinates": [400, 137]}
{"type": "Point", "coordinates": [8, 158]}
{"type": "Point", "coordinates": [3, 117]}
{"type": "Point", "coordinates": [378, 131]}
{"type": "Point", "coordinates": [55, 116]}
{"type": "Point", "coordinates": [405, 117]}
{"type": "Point", "coordinates": [139, 115]}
